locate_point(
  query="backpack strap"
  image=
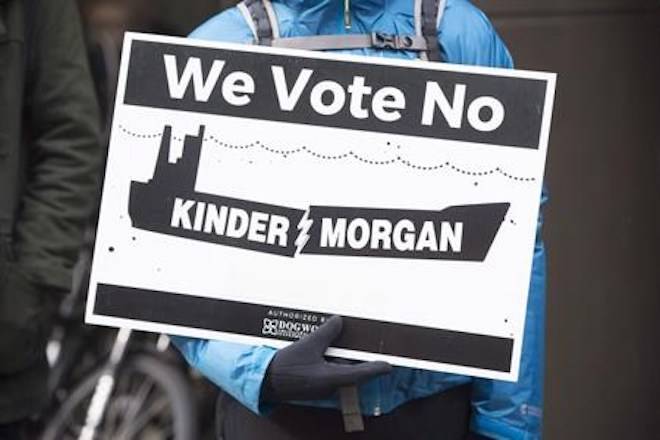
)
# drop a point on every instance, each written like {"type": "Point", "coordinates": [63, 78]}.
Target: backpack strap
{"type": "Point", "coordinates": [272, 17]}
{"type": "Point", "coordinates": [427, 24]}
{"type": "Point", "coordinates": [261, 20]}
{"type": "Point", "coordinates": [376, 40]}
{"type": "Point", "coordinates": [260, 16]}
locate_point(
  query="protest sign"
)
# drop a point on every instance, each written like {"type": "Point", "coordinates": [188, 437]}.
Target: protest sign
{"type": "Point", "coordinates": [251, 193]}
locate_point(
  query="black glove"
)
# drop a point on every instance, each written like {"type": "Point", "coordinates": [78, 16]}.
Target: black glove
{"type": "Point", "coordinates": [300, 372]}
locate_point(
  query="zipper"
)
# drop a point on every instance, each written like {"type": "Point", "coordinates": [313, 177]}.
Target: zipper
{"type": "Point", "coordinates": [347, 14]}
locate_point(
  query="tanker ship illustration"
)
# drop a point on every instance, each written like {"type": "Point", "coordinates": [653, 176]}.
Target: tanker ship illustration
{"type": "Point", "coordinates": [169, 204]}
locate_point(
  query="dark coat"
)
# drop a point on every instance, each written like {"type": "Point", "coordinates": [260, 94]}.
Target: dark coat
{"type": "Point", "coordinates": [49, 156]}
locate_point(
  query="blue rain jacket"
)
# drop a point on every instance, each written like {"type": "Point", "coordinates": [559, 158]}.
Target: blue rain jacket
{"type": "Point", "coordinates": [501, 410]}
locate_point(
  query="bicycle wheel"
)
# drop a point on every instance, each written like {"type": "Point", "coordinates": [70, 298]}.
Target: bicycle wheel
{"type": "Point", "coordinates": [151, 400]}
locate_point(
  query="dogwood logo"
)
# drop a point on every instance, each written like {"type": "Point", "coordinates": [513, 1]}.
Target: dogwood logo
{"type": "Point", "coordinates": [288, 329]}
{"type": "Point", "coordinates": [269, 327]}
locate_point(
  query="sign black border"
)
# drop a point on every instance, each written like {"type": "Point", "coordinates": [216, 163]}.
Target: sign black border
{"type": "Point", "coordinates": [388, 338]}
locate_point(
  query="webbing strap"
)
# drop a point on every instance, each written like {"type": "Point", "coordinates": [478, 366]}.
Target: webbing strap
{"type": "Point", "coordinates": [261, 20]}
{"type": "Point", "coordinates": [272, 17]}
{"type": "Point", "coordinates": [430, 28]}
{"type": "Point", "coordinates": [428, 13]}
{"type": "Point", "coordinates": [375, 40]}
{"type": "Point", "coordinates": [350, 409]}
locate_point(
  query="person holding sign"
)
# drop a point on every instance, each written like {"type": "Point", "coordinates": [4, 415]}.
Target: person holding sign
{"type": "Point", "coordinates": [392, 402]}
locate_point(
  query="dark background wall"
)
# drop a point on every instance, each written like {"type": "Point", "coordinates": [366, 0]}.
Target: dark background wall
{"type": "Point", "coordinates": [603, 381]}
{"type": "Point", "coordinates": [603, 327]}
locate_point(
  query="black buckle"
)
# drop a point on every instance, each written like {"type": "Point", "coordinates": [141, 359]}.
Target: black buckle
{"type": "Point", "coordinates": [381, 40]}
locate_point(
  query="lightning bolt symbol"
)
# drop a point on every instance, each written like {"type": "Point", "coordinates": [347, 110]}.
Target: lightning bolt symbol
{"type": "Point", "coordinates": [304, 226]}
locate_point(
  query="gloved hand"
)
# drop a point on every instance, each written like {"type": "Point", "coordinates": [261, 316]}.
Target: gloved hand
{"type": "Point", "coordinates": [300, 372]}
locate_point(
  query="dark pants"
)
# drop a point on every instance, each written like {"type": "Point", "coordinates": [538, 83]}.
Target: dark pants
{"type": "Point", "coordinates": [443, 416]}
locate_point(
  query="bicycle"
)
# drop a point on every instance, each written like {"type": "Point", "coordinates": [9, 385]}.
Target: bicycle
{"type": "Point", "coordinates": [114, 384]}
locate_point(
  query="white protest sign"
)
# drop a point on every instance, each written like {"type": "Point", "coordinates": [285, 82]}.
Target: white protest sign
{"type": "Point", "coordinates": [252, 192]}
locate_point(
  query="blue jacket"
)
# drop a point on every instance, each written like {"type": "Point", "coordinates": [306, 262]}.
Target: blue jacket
{"type": "Point", "coordinates": [501, 410]}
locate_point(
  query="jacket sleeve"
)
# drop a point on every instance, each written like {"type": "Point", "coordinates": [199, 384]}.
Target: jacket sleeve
{"type": "Point", "coordinates": [236, 368]}
{"type": "Point", "coordinates": [502, 410]}
{"type": "Point", "coordinates": [63, 146]}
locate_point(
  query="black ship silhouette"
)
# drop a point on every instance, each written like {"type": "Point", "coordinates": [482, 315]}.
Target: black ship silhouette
{"type": "Point", "coordinates": [150, 203]}
{"type": "Point", "coordinates": [152, 206]}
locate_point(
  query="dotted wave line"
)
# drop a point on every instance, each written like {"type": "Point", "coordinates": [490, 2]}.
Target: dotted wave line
{"type": "Point", "coordinates": [140, 135]}
{"type": "Point", "coordinates": [285, 153]}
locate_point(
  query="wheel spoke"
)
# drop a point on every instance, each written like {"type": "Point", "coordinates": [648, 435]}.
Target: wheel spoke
{"type": "Point", "coordinates": [155, 407]}
{"type": "Point", "coordinates": [135, 403]}
{"type": "Point", "coordinates": [143, 406]}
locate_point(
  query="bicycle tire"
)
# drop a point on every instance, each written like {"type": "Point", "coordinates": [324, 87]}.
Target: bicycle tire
{"type": "Point", "coordinates": [170, 380]}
